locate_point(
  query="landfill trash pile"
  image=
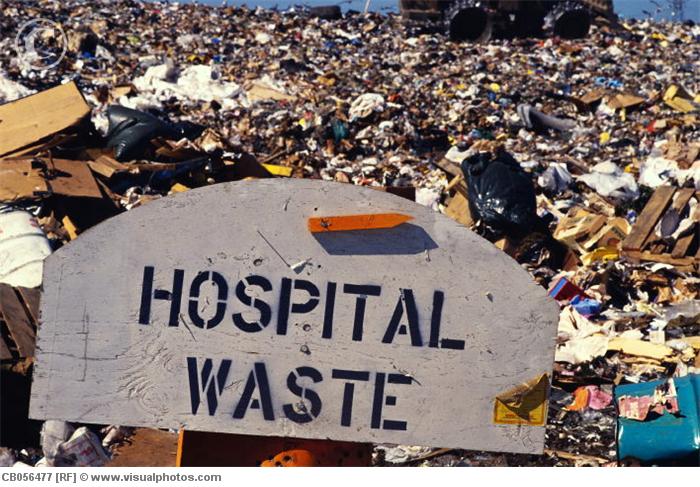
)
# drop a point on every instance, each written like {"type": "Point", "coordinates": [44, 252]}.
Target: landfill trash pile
{"type": "Point", "coordinates": [579, 158]}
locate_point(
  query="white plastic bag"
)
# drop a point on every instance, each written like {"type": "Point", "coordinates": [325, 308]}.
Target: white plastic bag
{"type": "Point", "coordinates": [610, 181]}
{"type": "Point", "coordinates": [23, 248]}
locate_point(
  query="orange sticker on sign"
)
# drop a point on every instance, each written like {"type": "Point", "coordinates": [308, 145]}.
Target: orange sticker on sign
{"type": "Point", "coordinates": [356, 222]}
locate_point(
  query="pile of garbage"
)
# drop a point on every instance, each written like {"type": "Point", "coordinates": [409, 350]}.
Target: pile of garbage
{"type": "Point", "coordinates": [579, 158]}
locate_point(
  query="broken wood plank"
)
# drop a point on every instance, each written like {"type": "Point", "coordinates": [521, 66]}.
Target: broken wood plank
{"type": "Point", "coordinates": [17, 321]}
{"type": "Point", "coordinates": [31, 296]}
{"type": "Point", "coordinates": [107, 166]}
{"type": "Point", "coordinates": [682, 198]}
{"type": "Point", "coordinates": [667, 259]}
{"type": "Point", "coordinates": [646, 222]}
{"type": "Point", "coordinates": [451, 168]}
{"type": "Point", "coordinates": [655, 248]}
{"type": "Point", "coordinates": [683, 263]}
{"type": "Point", "coordinates": [682, 245]}
{"type": "Point", "coordinates": [274, 156]}
{"type": "Point", "coordinates": [454, 182]}
{"type": "Point", "coordinates": [680, 201]}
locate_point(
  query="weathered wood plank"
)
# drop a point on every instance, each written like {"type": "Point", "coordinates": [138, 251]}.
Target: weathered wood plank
{"type": "Point", "coordinates": [646, 221]}
{"type": "Point", "coordinates": [680, 201]}
{"type": "Point", "coordinates": [449, 167]}
{"type": "Point", "coordinates": [683, 244]}
{"type": "Point", "coordinates": [683, 263]}
{"type": "Point", "coordinates": [17, 321]}
{"type": "Point", "coordinates": [681, 198]}
{"type": "Point", "coordinates": [153, 318]}
{"type": "Point", "coordinates": [31, 297]}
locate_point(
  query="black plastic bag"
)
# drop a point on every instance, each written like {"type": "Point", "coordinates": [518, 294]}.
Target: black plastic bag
{"type": "Point", "coordinates": [130, 131]}
{"type": "Point", "coordinates": [501, 194]}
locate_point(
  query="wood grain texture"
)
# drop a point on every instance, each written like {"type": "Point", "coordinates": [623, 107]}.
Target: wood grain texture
{"type": "Point", "coordinates": [30, 296]}
{"type": "Point", "coordinates": [18, 322]}
{"type": "Point", "coordinates": [681, 200]}
{"type": "Point", "coordinates": [650, 215]}
{"type": "Point", "coordinates": [97, 364]}
{"type": "Point", "coordinates": [680, 249]}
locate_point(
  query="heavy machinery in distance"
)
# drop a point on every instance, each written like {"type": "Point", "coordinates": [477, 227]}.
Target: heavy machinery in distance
{"type": "Point", "coordinates": [480, 20]}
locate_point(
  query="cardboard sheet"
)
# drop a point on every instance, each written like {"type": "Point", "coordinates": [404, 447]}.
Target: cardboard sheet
{"type": "Point", "coordinates": [31, 119]}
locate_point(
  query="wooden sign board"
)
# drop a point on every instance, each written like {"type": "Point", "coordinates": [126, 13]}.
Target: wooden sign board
{"type": "Point", "coordinates": [218, 310]}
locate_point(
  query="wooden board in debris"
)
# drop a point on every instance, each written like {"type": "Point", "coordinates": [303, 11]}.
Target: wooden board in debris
{"type": "Point", "coordinates": [18, 313]}
{"type": "Point", "coordinates": [664, 211]}
{"type": "Point", "coordinates": [218, 310]}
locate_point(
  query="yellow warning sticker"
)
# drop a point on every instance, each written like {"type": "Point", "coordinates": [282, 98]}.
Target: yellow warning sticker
{"type": "Point", "coordinates": [525, 404]}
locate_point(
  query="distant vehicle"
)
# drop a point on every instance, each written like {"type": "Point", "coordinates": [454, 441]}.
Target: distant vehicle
{"type": "Point", "coordinates": [479, 20]}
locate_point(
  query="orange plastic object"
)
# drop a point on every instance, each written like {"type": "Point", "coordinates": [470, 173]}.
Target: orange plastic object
{"type": "Point", "coordinates": [292, 458]}
{"type": "Point", "coordinates": [206, 449]}
{"type": "Point", "coordinates": [356, 222]}
{"type": "Point", "coordinates": [581, 398]}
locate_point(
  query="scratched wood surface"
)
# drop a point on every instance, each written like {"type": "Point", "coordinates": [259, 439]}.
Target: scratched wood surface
{"type": "Point", "coordinates": [18, 318]}
{"type": "Point", "coordinates": [96, 363]}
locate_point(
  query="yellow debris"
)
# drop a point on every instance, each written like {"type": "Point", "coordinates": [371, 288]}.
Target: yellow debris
{"type": "Point", "coordinates": [603, 253]}
{"type": "Point", "coordinates": [278, 170]}
{"type": "Point", "coordinates": [640, 348]}
{"type": "Point", "coordinates": [178, 188]}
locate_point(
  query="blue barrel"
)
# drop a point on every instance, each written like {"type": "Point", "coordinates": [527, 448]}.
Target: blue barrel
{"type": "Point", "coordinates": [664, 437]}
